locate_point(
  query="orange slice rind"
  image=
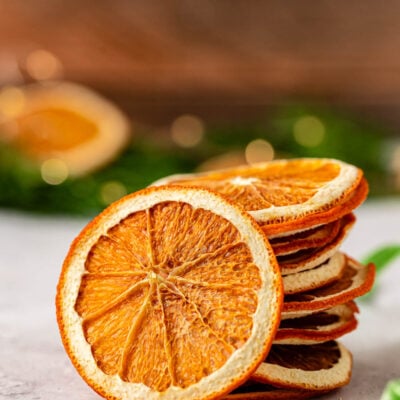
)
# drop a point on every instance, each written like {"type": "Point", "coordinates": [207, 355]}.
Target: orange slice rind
{"type": "Point", "coordinates": [318, 327]}
{"type": "Point", "coordinates": [322, 366]}
{"type": "Point", "coordinates": [170, 293]}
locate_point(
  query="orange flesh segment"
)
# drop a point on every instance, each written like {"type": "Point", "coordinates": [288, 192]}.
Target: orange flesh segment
{"type": "Point", "coordinates": [256, 189]}
{"type": "Point", "coordinates": [52, 130]}
{"type": "Point", "coordinates": [178, 294]}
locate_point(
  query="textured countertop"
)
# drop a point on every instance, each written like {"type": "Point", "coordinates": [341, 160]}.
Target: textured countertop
{"type": "Point", "coordinates": [33, 364]}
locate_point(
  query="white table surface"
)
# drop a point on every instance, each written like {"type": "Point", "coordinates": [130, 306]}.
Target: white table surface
{"type": "Point", "coordinates": [33, 364]}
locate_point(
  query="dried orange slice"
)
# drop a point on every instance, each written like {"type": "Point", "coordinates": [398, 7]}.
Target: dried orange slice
{"type": "Point", "coordinates": [357, 280]}
{"type": "Point", "coordinates": [252, 390]}
{"type": "Point", "coordinates": [307, 259]}
{"type": "Point", "coordinates": [308, 239]}
{"type": "Point", "coordinates": [67, 122]}
{"type": "Point", "coordinates": [322, 275]}
{"type": "Point", "coordinates": [322, 366]}
{"type": "Point", "coordinates": [170, 293]}
{"type": "Point", "coordinates": [283, 195]}
{"type": "Point", "coordinates": [349, 203]}
{"type": "Point", "coordinates": [318, 327]}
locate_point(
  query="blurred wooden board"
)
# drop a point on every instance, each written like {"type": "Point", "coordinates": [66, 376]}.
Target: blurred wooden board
{"type": "Point", "coordinates": [209, 55]}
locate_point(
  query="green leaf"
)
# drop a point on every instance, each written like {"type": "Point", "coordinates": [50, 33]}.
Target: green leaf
{"type": "Point", "coordinates": [392, 390]}
{"type": "Point", "coordinates": [381, 257]}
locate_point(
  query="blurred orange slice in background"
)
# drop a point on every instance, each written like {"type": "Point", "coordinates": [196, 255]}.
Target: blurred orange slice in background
{"type": "Point", "coordinates": [170, 293]}
{"type": "Point", "coordinates": [66, 124]}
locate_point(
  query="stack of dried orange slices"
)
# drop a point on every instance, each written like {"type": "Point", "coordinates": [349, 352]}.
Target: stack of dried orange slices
{"type": "Point", "coordinates": [304, 207]}
{"type": "Point", "coordinates": [175, 292]}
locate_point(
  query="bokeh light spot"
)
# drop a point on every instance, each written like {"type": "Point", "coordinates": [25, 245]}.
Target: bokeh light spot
{"type": "Point", "coordinates": [42, 65]}
{"type": "Point", "coordinates": [187, 131]}
{"type": "Point", "coordinates": [112, 191]}
{"type": "Point", "coordinates": [309, 131]}
{"type": "Point", "coordinates": [54, 171]}
{"type": "Point", "coordinates": [259, 150]}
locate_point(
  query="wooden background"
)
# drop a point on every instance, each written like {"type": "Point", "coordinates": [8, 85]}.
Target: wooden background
{"type": "Point", "coordinates": [219, 59]}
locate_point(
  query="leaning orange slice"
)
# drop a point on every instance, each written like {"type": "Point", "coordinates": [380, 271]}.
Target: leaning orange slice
{"type": "Point", "coordinates": [283, 195]}
{"type": "Point", "coordinates": [66, 122]}
{"type": "Point", "coordinates": [170, 293]}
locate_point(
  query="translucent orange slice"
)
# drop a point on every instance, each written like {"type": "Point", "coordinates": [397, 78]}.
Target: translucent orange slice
{"type": "Point", "coordinates": [318, 327]}
{"type": "Point", "coordinates": [322, 366]}
{"type": "Point", "coordinates": [170, 293]}
{"type": "Point", "coordinates": [66, 122]}
{"type": "Point", "coordinates": [283, 195]}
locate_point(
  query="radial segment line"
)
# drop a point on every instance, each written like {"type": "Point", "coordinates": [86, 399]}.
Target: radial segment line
{"type": "Point", "coordinates": [119, 299]}
{"type": "Point", "coordinates": [208, 285]}
{"type": "Point", "coordinates": [167, 344]}
{"type": "Point", "coordinates": [194, 305]}
{"type": "Point", "coordinates": [115, 274]}
{"type": "Point", "coordinates": [186, 266]}
{"type": "Point", "coordinates": [257, 192]}
{"type": "Point", "coordinates": [136, 323]}
{"type": "Point", "coordinates": [235, 192]}
{"type": "Point", "coordinates": [205, 234]}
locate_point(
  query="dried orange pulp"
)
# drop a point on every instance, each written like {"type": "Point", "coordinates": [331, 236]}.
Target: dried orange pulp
{"type": "Point", "coordinates": [281, 193]}
{"type": "Point", "coordinates": [170, 293]}
{"type": "Point", "coordinates": [68, 122]}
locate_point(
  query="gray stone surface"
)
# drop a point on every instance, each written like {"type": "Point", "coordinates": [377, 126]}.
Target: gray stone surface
{"type": "Point", "coordinates": [34, 366]}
